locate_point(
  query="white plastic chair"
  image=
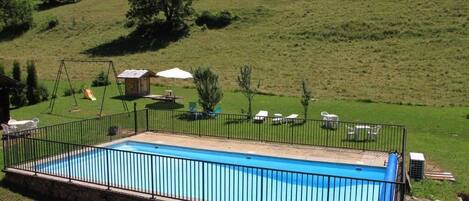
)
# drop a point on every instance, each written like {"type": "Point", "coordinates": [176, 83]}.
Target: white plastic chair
{"type": "Point", "coordinates": [324, 114]}
{"type": "Point", "coordinates": [351, 133]}
{"type": "Point", "coordinates": [6, 128]}
{"type": "Point", "coordinates": [373, 132]}
{"type": "Point", "coordinates": [11, 120]}
{"type": "Point", "coordinates": [36, 122]}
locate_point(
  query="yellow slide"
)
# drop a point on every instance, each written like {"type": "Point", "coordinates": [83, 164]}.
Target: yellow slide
{"type": "Point", "coordinates": [89, 94]}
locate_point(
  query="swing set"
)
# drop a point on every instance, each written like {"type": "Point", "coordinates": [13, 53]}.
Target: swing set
{"type": "Point", "coordinates": [63, 69]}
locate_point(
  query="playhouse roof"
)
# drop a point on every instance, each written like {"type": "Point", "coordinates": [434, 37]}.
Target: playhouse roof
{"type": "Point", "coordinates": [136, 74]}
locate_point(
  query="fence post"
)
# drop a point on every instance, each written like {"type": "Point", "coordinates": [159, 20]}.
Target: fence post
{"type": "Point", "coordinates": [172, 121]}
{"type": "Point", "coordinates": [262, 184]}
{"type": "Point", "coordinates": [146, 119]}
{"type": "Point", "coordinates": [135, 118]}
{"type": "Point", "coordinates": [403, 171]}
{"type": "Point", "coordinates": [198, 129]}
{"type": "Point", "coordinates": [4, 152]}
{"type": "Point", "coordinates": [34, 157]}
{"type": "Point", "coordinates": [291, 133]}
{"type": "Point", "coordinates": [203, 180]}
{"type": "Point", "coordinates": [328, 186]}
{"type": "Point", "coordinates": [152, 178]}
{"type": "Point", "coordinates": [107, 170]}
{"type": "Point", "coordinates": [69, 163]}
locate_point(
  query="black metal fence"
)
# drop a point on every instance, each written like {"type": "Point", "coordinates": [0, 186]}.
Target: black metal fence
{"type": "Point", "coordinates": [350, 135]}
{"type": "Point", "coordinates": [66, 150]}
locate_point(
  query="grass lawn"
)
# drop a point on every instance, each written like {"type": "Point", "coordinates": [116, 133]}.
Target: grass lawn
{"type": "Point", "coordinates": [439, 132]}
{"type": "Point", "coordinates": [387, 51]}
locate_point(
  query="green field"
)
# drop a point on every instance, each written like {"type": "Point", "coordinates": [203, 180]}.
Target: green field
{"type": "Point", "coordinates": [358, 56]}
{"type": "Point", "coordinates": [386, 51]}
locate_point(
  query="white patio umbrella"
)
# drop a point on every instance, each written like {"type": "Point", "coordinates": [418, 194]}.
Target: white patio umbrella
{"type": "Point", "coordinates": [175, 73]}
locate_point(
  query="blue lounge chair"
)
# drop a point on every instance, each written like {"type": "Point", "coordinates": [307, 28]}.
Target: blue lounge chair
{"type": "Point", "coordinates": [215, 112]}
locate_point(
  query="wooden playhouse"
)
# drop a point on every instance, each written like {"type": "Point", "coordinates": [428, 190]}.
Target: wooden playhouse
{"type": "Point", "coordinates": [137, 82]}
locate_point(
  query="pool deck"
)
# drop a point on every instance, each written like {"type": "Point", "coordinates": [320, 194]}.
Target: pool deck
{"type": "Point", "coordinates": [302, 152]}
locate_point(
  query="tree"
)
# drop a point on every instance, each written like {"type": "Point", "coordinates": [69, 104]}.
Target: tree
{"type": "Point", "coordinates": [32, 93]}
{"type": "Point", "coordinates": [16, 14]}
{"type": "Point", "coordinates": [245, 83]}
{"type": "Point", "coordinates": [16, 71]}
{"type": "Point", "coordinates": [305, 98]}
{"type": "Point", "coordinates": [208, 88]}
{"type": "Point", "coordinates": [147, 12]}
{"type": "Point", "coordinates": [18, 98]}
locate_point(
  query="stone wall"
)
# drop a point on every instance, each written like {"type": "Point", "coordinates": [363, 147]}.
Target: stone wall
{"type": "Point", "coordinates": [59, 189]}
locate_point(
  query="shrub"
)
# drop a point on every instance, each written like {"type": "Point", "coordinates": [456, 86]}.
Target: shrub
{"type": "Point", "coordinates": [43, 92]}
{"type": "Point", "coordinates": [51, 23]}
{"type": "Point", "coordinates": [16, 15]}
{"type": "Point", "coordinates": [16, 71]}
{"type": "Point", "coordinates": [215, 20]}
{"type": "Point", "coordinates": [18, 96]}
{"type": "Point", "coordinates": [69, 92]}
{"type": "Point", "coordinates": [208, 88]}
{"type": "Point", "coordinates": [32, 93]}
{"type": "Point", "coordinates": [100, 80]}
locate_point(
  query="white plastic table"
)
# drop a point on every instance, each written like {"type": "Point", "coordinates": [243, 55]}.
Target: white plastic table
{"type": "Point", "coordinates": [361, 129]}
{"type": "Point", "coordinates": [331, 120]}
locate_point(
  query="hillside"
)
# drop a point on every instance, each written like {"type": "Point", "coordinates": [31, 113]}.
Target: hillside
{"type": "Point", "coordinates": [387, 51]}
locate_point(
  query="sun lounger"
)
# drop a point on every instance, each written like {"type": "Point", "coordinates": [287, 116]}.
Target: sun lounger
{"type": "Point", "coordinates": [278, 119]}
{"type": "Point", "coordinates": [291, 118]}
{"type": "Point", "coordinates": [260, 116]}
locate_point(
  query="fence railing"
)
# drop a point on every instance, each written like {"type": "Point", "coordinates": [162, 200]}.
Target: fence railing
{"type": "Point", "coordinates": [349, 135]}
{"type": "Point", "coordinates": [187, 179]}
{"type": "Point", "coordinates": [69, 146]}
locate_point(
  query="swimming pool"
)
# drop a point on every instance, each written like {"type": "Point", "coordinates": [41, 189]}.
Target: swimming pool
{"type": "Point", "coordinates": [189, 173]}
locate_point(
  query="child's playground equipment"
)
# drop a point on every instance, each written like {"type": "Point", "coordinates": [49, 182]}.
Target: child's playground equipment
{"type": "Point", "coordinates": [87, 92]}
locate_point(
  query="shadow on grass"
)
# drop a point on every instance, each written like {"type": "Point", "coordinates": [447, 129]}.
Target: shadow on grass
{"type": "Point", "coordinates": [23, 192]}
{"type": "Point", "coordinates": [149, 38]}
{"type": "Point", "coordinates": [126, 98]}
{"type": "Point", "coordinates": [12, 32]}
{"type": "Point", "coordinates": [164, 106]}
{"type": "Point", "coordinates": [47, 6]}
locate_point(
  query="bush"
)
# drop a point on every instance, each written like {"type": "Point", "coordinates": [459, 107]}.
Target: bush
{"type": "Point", "coordinates": [16, 15]}
{"type": "Point", "coordinates": [100, 80]}
{"type": "Point", "coordinates": [215, 20]}
{"type": "Point", "coordinates": [18, 97]}
{"type": "Point", "coordinates": [69, 92]}
{"type": "Point", "coordinates": [32, 92]}
{"type": "Point", "coordinates": [16, 71]}
{"type": "Point", "coordinates": [43, 92]}
{"type": "Point", "coordinates": [51, 23]}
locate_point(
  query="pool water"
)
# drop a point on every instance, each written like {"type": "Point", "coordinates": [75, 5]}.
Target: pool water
{"type": "Point", "coordinates": [216, 175]}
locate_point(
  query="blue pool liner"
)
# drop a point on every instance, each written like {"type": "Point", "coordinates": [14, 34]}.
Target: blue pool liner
{"type": "Point", "coordinates": [387, 190]}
